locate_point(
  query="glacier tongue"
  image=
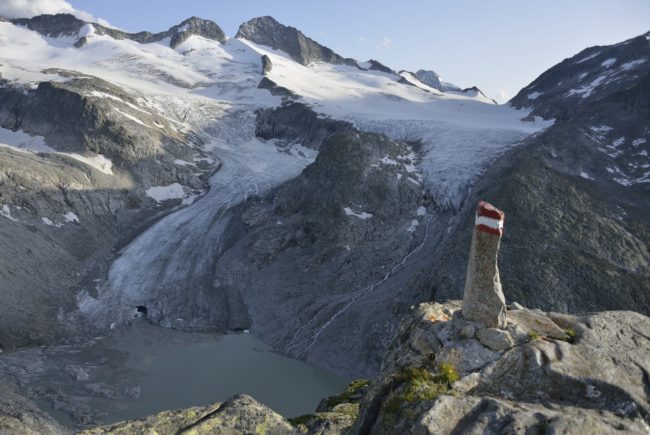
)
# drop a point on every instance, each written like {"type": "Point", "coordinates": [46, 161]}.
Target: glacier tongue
{"type": "Point", "coordinates": [169, 268]}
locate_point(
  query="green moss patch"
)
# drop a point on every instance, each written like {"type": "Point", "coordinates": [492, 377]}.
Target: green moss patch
{"type": "Point", "coordinates": [570, 335]}
{"type": "Point", "coordinates": [416, 385]}
{"type": "Point", "coordinates": [346, 396]}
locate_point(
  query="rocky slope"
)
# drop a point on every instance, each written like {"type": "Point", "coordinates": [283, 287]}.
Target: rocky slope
{"type": "Point", "coordinates": [19, 415]}
{"type": "Point", "coordinates": [546, 372]}
{"type": "Point", "coordinates": [589, 76]}
{"type": "Point", "coordinates": [69, 204]}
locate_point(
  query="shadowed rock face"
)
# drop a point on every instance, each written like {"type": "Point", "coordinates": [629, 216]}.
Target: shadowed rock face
{"type": "Point", "coordinates": [267, 31]}
{"type": "Point", "coordinates": [375, 65]}
{"type": "Point", "coordinates": [240, 414]}
{"type": "Point", "coordinates": [267, 65]}
{"type": "Point", "coordinates": [582, 80]}
{"type": "Point", "coordinates": [297, 123]}
{"type": "Point", "coordinates": [52, 25]}
{"type": "Point", "coordinates": [69, 25]}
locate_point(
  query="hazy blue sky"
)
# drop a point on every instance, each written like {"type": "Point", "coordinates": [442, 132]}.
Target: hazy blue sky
{"type": "Point", "coordinates": [499, 45]}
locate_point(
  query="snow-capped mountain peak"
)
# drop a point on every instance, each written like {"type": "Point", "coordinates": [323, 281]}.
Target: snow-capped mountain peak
{"type": "Point", "coordinates": [269, 32]}
{"type": "Point", "coordinates": [67, 25]}
{"type": "Point", "coordinates": [431, 78]}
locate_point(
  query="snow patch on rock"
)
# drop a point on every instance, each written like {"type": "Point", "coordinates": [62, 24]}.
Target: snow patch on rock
{"type": "Point", "coordinates": [71, 217]}
{"type": "Point", "coordinates": [97, 161]}
{"type": "Point", "coordinates": [363, 215]}
{"type": "Point", "coordinates": [609, 62]}
{"type": "Point", "coordinates": [86, 30]}
{"type": "Point", "coordinates": [5, 211]}
{"type": "Point", "coordinates": [164, 193]}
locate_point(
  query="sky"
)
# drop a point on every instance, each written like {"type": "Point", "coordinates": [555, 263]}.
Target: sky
{"type": "Point", "coordinates": [498, 45]}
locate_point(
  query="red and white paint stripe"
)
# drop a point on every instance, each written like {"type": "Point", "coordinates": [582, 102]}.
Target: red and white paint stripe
{"type": "Point", "coordinates": [489, 219]}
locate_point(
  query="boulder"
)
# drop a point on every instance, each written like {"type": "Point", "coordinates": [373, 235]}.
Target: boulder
{"type": "Point", "coordinates": [535, 322]}
{"type": "Point", "coordinates": [495, 339]}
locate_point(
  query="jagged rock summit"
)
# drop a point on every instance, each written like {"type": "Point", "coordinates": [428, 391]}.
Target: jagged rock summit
{"type": "Point", "coordinates": [68, 25]}
{"type": "Point", "coordinates": [431, 78]}
{"type": "Point", "coordinates": [268, 31]}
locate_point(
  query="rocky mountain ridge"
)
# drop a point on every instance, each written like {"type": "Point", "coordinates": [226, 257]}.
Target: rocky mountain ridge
{"type": "Point", "coordinates": [269, 32]}
{"type": "Point", "coordinates": [431, 78]}
{"type": "Point", "coordinates": [58, 25]}
{"type": "Point", "coordinates": [596, 72]}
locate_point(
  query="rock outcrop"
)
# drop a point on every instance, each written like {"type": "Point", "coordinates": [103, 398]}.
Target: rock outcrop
{"type": "Point", "coordinates": [439, 376]}
{"type": "Point", "coordinates": [269, 32]}
{"type": "Point", "coordinates": [375, 65]}
{"type": "Point", "coordinates": [297, 123]}
{"type": "Point", "coordinates": [323, 237]}
{"type": "Point", "coordinates": [267, 65]}
{"type": "Point", "coordinates": [241, 414]}
{"type": "Point", "coordinates": [431, 78]}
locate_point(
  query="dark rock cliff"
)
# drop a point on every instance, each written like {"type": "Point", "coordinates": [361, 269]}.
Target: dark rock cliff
{"type": "Point", "coordinates": [268, 31]}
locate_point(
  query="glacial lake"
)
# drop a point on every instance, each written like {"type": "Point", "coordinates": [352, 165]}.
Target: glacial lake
{"type": "Point", "coordinates": [141, 369]}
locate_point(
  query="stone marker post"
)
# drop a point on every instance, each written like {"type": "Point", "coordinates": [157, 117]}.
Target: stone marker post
{"type": "Point", "coordinates": [483, 300]}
